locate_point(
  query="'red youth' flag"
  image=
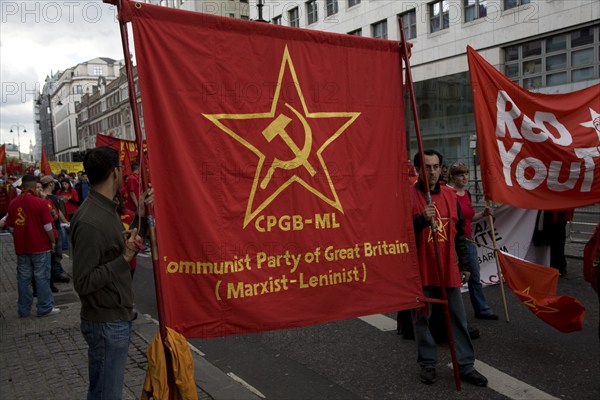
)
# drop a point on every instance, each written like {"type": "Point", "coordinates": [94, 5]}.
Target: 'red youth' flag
{"type": "Point", "coordinates": [45, 164]}
{"type": "Point", "coordinates": [290, 203]}
{"type": "Point", "coordinates": [538, 151]}
{"type": "Point", "coordinates": [536, 286]}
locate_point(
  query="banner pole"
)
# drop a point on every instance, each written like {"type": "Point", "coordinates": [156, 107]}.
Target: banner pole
{"type": "Point", "coordinates": [443, 294]}
{"type": "Point", "coordinates": [170, 381]}
{"type": "Point", "coordinates": [500, 278]}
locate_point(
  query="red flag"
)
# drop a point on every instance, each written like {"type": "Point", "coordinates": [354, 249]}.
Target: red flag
{"type": "Point", "coordinates": [289, 146]}
{"type": "Point", "coordinates": [12, 167]}
{"type": "Point", "coordinates": [45, 164]}
{"type": "Point", "coordinates": [2, 155]}
{"type": "Point", "coordinates": [591, 259]}
{"type": "Point", "coordinates": [536, 286]}
{"type": "Point", "coordinates": [537, 151]}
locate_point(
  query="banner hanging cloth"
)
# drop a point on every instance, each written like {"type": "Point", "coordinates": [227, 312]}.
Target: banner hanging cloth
{"type": "Point", "coordinates": [276, 158]}
{"type": "Point", "coordinates": [537, 151]}
{"type": "Point", "coordinates": [535, 285]}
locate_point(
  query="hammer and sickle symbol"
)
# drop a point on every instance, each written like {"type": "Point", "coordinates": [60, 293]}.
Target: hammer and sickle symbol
{"type": "Point", "coordinates": [277, 128]}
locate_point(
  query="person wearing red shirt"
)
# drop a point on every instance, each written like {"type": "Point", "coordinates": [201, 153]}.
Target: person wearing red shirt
{"type": "Point", "coordinates": [458, 178]}
{"type": "Point", "coordinates": [30, 222]}
{"type": "Point", "coordinates": [133, 188]}
{"type": "Point", "coordinates": [443, 211]}
{"type": "Point", "coordinates": [69, 196]}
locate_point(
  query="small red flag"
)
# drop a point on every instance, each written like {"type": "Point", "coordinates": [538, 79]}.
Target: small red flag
{"type": "Point", "coordinates": [2, 155]}
{"type": "Point", "coordinates": [45, 164]}
{"type": "Point", "coordinates": [591, 259]}
{"type": "Point", "coordinates": [536, 286]}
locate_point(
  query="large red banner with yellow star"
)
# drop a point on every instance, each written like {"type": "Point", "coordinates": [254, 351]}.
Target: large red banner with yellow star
{"type": "Point", "coordinates": [277, 159]}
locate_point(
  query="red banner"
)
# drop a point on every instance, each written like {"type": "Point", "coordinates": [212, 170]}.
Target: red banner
{"type": "Point", "coordinates": [537, 151]}
{"type": "Point", "coordinates": [291, 202]}
{"type": "Point", "coordinates": [2, 155]}
{"type": "Point", "coordinates": [124, 147]}
{"type": "Point", "coordinates": [536, 286]}
{"type": "Point", "coordinates": [45, 164]}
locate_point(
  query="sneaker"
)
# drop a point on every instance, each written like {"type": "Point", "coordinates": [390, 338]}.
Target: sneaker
{"type": "Point", "coordinates": [427, 375]}
{"type": "Point", "coordinates": [474, 378]}
{"type": "Point", "coordinates": [54, 311]}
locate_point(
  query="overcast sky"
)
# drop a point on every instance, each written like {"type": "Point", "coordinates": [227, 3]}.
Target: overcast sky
{"type": "Point", "coordinates": [40, 37]}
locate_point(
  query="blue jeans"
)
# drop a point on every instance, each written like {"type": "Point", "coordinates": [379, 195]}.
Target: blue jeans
{"type": "Point", "coordinates": [107, 355]}
{"type": "Point", "coordinates": [29, 266]}
{"type": "Point", "coordinates": [475, 287]}
{"type": "Point", "coordinates": [426, 345]}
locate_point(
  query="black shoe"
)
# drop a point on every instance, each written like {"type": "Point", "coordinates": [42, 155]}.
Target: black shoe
{"type": "Point", "coordinates": [54, 289]}
{"type": "Point", "coordinates": [428, 375]}
{"type": "Point", "coordinates": [474, 378]}
{"type": "Point", "coordinates": [473, 332]}
{"type": "Point", "coordinates": [62, 279]}
{"type": "Point", "coordinates": [492, 317]}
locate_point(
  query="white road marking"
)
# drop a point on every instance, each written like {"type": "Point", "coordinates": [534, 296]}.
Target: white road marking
{"type": "Point", "coordinates": [498, 381]}
{"type": "Point", "coordinates": [246, 385]}
{"type": "Point", "coordinates": [380, 321]}
{"type": "Point", "coordinates": [508, 386]}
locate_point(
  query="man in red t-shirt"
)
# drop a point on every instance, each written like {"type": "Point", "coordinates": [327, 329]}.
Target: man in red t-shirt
{"type": "Point", "coordinates": [30, 222]}
{"type": "Point", "coordinates": [133, 188]}
{"type": "Point", "coordinates": [445, 214]}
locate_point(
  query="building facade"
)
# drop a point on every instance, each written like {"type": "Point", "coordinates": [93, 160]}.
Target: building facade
{"type": "Point", "coordinates": [225, 8]}
{"type": "Point", "coordinates": [70, 86]}
{"type": "Point", "coordinates": [544, 46]}
{"type": "Point", "coordinates": [106, 111]}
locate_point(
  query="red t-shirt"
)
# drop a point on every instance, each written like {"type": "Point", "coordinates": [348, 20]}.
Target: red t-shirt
{"type": "Point", "coordinates": [446, 219]}
{"type": "Point", "coordinates": [27, 215]}
{"type": "Point", "coordinates": [52, 207]}
{"type": "Point", "coordinates": [133, 185]}
{"type": "Point", "coordinates": [466, 206]}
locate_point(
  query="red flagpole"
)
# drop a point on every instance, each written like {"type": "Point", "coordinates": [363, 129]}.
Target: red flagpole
{"type": "Point", "coordinates": [443, 294]}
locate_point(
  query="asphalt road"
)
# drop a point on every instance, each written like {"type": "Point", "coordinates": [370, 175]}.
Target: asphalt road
{"type": "Point", "coordinates": [352, 359]}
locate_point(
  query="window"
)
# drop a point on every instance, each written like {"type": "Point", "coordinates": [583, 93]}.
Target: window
{"type": "Point", "coordinates": [352, 3]}
{"type": "Point", "coordinates": [439, 16]}
{"type": "Point", "coordinates": [379, 29]}
{"type": "Point", "coordinates": [277, 20]}
{"type": "Point", "coordinates": [356, 32]}
{"type": "Point", "coordinates": [331, 7]}
{"type": "Point", "coordinates": [77, 89]}
{"type": "Point", "coordinates": [294, 17]}
{"type": "Point", "coordinates": [559, 59]}
{"type": "Point", "coordinates": [97, 70]}
{"type": "Point", "coordinates": [508, 4]}
{"type": "Point", "coordinates": [409, 22]}
{"type": "Point", "coordinates": [475, 9]}
{"type": "Point", "coordinates": [312, 15]}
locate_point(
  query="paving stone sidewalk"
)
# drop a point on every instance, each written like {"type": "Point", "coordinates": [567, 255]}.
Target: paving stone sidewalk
{"type": "Point", "coordinates": [46, 358]}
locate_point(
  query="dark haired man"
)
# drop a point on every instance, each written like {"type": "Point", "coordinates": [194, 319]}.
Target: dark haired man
{"type": "Point", "coordinates": [30, 222]}
{"type": "Point", "coordinates": [101, 256]}
{"type": "Point", "coordinates": [444, 211]}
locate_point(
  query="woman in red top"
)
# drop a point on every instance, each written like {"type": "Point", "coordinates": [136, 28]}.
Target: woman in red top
{"type": "Point", "coordinates": [69, 196]}
{"type": "Point", "coordinates": [458, 178]}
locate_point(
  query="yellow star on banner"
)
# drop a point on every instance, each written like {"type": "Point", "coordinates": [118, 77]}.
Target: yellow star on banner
{"type": "Point", "coordinates": [536, 309]}
{"type": "Point", "coordinates": [441, 225]}
{"type": "Point", "coordinates": [594, 123]}
{"type": "Point", "coordinates": [305, 160]}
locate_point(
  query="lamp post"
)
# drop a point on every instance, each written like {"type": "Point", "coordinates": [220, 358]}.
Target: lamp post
{"type": "Point", "coordinates": [18, 126]}
{"type": "Point", "coordinates": [260, 5]}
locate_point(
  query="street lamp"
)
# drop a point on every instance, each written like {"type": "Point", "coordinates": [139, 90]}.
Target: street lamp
{"type": "Point", "coordinates": [18, 126]}
{"type": "Point", "coordinates": [260, 5]}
